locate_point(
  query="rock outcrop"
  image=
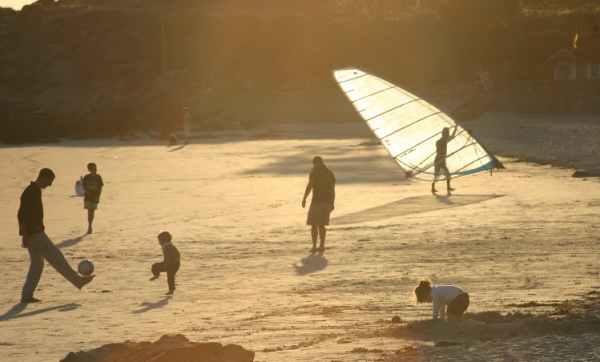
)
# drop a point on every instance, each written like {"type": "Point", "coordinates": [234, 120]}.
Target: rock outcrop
{"type": "Point", "coordinates": [168, 348]}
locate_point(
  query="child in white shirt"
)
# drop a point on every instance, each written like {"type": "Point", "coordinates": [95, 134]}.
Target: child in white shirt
{"type": "Point", "coordinates": [441, 296]}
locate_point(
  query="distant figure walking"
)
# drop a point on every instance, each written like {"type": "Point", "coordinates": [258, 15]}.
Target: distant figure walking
{"type": "Point", "coordinates": [40, 247]}
{"type": "Point", "coordinates": [187, 124]}
{"type": "Point", "coordinates": [441, 147]}
{"type": "Point", "coordinates": [170, 263]}
{"type": "Point", "coordinates": [322, 183]}
{"type": "Point", "coordinates": [441, 296]}
{"type": "Point", "coordinates": [92, 185]}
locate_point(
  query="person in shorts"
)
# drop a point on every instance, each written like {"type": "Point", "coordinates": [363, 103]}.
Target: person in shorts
{"type": "Point", "coordinates": [441, 296]}
{"type": "Point", "coordinates": [92, 185]}
{"type": "Point", "coordinates": [321, 182]}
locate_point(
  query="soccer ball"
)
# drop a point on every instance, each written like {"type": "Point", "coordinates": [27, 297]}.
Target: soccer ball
{"type": "Point", "coordinates": [85, 267]}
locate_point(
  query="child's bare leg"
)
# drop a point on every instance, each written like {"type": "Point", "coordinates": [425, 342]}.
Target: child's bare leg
{"type": "Point", "coordinates": [90, 220]}
{"type": "Point", "coordinates": [156, 269]}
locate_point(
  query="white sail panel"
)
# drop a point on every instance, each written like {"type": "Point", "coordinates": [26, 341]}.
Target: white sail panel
{"type": "Point", "coordinates": [409, 127]}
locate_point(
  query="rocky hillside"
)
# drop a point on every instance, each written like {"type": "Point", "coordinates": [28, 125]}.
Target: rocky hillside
{"type": "Point", "coordinates": [97, 68]}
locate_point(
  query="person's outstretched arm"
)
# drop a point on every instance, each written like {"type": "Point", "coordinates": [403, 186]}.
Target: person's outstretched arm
{"type": "Point", "coordinates": [453, 133]}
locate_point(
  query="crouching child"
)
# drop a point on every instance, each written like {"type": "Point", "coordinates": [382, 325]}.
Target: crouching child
{"type": "Point", "coordinates": [456, 299]}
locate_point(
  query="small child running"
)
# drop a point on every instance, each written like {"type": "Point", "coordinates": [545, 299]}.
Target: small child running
{"type": "Point", "coordinates": [170, 263]}
{"type": "Point", "coordinates": [441, 296]}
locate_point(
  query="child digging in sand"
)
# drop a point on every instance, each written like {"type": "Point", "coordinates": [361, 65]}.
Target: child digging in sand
{"type": "Point", "coordinates": [441, 296]}
{"type": "Point", "coordinates": [170, 263]}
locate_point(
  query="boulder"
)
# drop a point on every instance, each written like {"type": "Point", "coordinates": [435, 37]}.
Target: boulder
{"type": "Point", "coordinates": [168, 348]}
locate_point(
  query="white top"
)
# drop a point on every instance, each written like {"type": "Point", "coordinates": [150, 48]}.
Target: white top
{"type": "Point", "coordinates": [187, 120]}
{"type": "Point", "coordinates": [441, 296]}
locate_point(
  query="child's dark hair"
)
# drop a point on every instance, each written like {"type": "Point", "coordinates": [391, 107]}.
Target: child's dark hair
{"type": "Point", "coordinates": [165, 236]}
{"type": "Point", "coordinates": [91, 166]}
{"type": "Point", "coordinates": [422, 290]}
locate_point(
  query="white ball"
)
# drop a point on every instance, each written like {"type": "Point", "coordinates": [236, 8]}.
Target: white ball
{"type": "Point", "coordinates": [85, 267]}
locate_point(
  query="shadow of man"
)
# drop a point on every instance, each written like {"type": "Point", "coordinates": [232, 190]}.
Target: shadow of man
{"type": "Point", "coordinates": [70, 242]}
{"type": "Point", "coordinates": [149, 306]}
{"type": "Point", "coordinates": [15, 311]}
{"type": "Point", "coordinates": [311, 264]}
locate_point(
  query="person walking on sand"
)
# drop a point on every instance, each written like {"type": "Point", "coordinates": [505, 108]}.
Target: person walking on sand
{"type": "Point", "coordinates": [441, 147]}
{"type": "Point", "coordinates": [39, 245]}
{"type": "Point", "coordinates": [321, 182]}
{"type": "Point", "coordinates": [441, 296]}
{"type": "Point", "coordinates": [187, 124]}
{"type": "Point", "coordinates": [92, 185]}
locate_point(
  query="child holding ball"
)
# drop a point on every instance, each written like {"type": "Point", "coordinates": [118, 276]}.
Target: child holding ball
{"type": "Point", "coordinates": [170, 263]}
{"type": "Point", "coordinates": [441, 296]}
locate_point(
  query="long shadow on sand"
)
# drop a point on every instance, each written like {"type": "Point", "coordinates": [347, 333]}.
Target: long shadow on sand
{"type": "Point", "coordinates": [311, 264]}
{"type": "Point", "coordinates": [178, 148]}
{"type": "Point", "coordinates": [15, 312]}
{"type": "Point", "coordinates": [149, 306]}
{"type": "Point", "coordinates": [409, 206]}
{"type": "Point", "coordinates": [70, 242]}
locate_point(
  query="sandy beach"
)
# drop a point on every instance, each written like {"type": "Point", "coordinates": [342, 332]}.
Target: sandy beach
{"type": "Point", "coordinates": [232, 201]}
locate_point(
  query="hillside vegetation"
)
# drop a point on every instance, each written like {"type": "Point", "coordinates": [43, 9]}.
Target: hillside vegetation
{"type": "Point", "coordinates": [83, 68]}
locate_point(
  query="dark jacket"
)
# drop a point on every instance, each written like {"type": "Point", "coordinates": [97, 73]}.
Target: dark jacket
{"type": "Point", "coordinates": [31, 210]}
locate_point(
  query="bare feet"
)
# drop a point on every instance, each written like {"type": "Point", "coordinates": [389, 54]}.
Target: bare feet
{"type": "Point", "coordinates": [450, 189]}
{"type": "Point", "coordinates": [321, 248]}
{"type": "Point", "coordinates": [89, 230]}
{"type": "Point", "coordinates": [85, 280]}
{"type": "Point", "coordinates": [313, 250]}
{"type": "Point", "coordinates": [30, 300]}
{"type": "Point", "coordinates": [433, 191]}
{"type": "Point", "coordinates": [170, 292]}
{"type": "Point", "coordinates": [153, 278]}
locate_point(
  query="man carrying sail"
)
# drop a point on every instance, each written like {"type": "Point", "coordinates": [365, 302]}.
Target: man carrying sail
{"type": "Point", "coordinates": [441, 147]}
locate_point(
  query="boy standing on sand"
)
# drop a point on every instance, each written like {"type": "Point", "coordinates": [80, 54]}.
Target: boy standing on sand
{"type": "Point", "coordinates": [171, 261]}
{"type": "Point", "coordinates": [92, 185]}
{"type": "Point", "coordinates": [39, 245]}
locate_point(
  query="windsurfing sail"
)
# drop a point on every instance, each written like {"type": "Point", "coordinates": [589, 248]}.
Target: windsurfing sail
{"type": "Point", "coordinates": [409, 128]}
